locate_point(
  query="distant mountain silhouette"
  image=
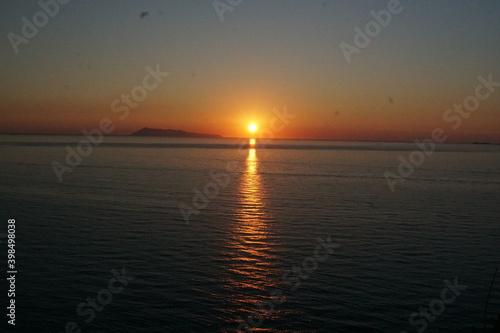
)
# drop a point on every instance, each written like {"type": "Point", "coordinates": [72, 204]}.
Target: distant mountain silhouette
{"type": "Point", "coordinates": [170, 132]}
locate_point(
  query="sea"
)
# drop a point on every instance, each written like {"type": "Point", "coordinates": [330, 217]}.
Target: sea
{"type": "Point", "coordinates": [157, 234]}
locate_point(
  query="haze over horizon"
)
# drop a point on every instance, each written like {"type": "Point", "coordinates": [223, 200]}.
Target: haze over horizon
{"type": "Point", "coordinates": [262, 56]}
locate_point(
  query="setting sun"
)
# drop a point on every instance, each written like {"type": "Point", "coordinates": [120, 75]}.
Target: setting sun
{"type": "Point", "coordinates": [252, 128]}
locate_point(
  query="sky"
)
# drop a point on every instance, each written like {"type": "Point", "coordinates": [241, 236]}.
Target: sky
{"type": "Point", "coordinates": [263, 55]}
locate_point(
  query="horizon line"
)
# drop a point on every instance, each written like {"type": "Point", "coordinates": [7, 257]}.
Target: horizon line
{"type": "Point", "coordinates": [224, 137]}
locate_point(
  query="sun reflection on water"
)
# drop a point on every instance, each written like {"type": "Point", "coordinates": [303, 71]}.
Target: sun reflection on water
{"type": "Point", "coordinates": [251, 248]}
{"type": "Point", "coordinates": [253, 226]}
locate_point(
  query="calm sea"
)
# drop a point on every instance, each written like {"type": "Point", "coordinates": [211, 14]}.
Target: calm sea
{"type": "Point", "coordinates": [256, 215]}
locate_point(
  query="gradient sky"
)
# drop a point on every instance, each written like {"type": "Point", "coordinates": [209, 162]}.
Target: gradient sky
{"type": "Point", "coordinates": [266, 54]}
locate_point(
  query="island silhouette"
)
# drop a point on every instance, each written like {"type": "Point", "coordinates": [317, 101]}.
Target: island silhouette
{"type": "Point", "coordinates": [146, 131]}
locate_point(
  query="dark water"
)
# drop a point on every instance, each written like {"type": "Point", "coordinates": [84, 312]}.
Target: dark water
{"type": "Point", "coordinates": [120, 209]}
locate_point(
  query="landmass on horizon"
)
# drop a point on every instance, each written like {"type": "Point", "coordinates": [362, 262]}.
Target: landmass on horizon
{"type": "Point", "coordinates": [146, 131]}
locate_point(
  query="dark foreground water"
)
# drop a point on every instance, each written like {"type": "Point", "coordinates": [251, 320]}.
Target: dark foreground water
{"type": "Point", "coordinates": [252, 251]}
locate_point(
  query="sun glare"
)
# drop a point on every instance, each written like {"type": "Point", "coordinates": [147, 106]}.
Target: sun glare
{"type": "Point", "coordinates": [252, 128]}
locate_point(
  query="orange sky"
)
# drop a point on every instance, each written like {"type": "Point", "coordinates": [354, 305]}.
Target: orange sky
{"type": "Point", "coordinates": [224, 75]}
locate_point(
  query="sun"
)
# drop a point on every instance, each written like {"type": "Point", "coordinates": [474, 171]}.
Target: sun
{"type": "Point", "coordinates": [253, 128]}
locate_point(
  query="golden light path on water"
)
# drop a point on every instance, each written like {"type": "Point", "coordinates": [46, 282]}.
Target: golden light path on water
{"type": "Point", "coordinates": [252, 269]}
